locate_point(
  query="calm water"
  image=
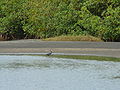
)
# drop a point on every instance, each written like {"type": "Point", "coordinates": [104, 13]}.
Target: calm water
{"type": "Point", "coordinates": [44, 73]}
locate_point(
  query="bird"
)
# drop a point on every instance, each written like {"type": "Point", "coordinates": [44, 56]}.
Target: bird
{"type": "Point", "coordinates": [48, 54]}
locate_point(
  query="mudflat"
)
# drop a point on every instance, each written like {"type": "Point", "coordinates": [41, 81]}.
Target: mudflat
{"type": "Point", "coordinates": [110, 49]}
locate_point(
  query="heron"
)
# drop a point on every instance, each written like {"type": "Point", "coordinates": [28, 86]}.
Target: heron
{"type": "Point", "coordinates": [48, 54]}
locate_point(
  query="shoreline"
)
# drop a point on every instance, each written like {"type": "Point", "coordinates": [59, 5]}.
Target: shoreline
{"type": "Point", "coordinates": [108, 49]}
{"type": "Point", "coordinates": [66, 56]}
{"type": "Point", "coordinates": [62, 51]}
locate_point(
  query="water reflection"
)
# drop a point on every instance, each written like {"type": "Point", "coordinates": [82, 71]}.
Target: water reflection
{"type": "Point", "coordinates": [38, 62]}
{"type": "Point", "coordinates": [44, 73]}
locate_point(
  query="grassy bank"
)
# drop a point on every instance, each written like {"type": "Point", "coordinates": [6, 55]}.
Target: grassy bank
{"type": "Point", "coordinates": [99, 58]}
{"type": "Point", "coordinates": [69, 38]}
{"type": "Point", "coordinates": [74, 38]}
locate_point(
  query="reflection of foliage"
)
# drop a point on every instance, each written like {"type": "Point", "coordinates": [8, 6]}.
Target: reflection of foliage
{"type": "Point", "coordinates": [49, 18]}
{"type": "Point", "coordinates": [26, 65]}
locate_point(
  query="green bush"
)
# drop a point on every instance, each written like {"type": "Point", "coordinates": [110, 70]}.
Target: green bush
{"type": "Point", "coordinates": [49, 18]}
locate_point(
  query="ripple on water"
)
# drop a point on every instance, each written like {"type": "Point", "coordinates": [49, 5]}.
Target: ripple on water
{"type": "Point", "coordinates": [44, 73]}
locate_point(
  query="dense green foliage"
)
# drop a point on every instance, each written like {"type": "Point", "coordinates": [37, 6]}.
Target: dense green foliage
{"type": "Point", "coordinates": [48, 18]}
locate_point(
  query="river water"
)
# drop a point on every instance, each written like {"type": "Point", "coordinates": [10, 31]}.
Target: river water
{"type": "Point", "coordinates": [45, 73]}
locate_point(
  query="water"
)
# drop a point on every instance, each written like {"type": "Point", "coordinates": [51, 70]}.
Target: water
{"type": "Point", "coordinates": [44, 73]}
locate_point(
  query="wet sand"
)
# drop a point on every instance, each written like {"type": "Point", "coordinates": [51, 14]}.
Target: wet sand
{"type": "Point", "coordinates": [109, 49]}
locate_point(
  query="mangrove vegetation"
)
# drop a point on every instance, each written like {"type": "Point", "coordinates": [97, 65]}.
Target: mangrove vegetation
{"type": "Point", "coordinates": [21, 19]}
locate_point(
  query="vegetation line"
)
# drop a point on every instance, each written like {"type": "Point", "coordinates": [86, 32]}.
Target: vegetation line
{"type": "Point", "coordinates": [84, 57]}
{"type": "Point", "coordinates": [81, 57]}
